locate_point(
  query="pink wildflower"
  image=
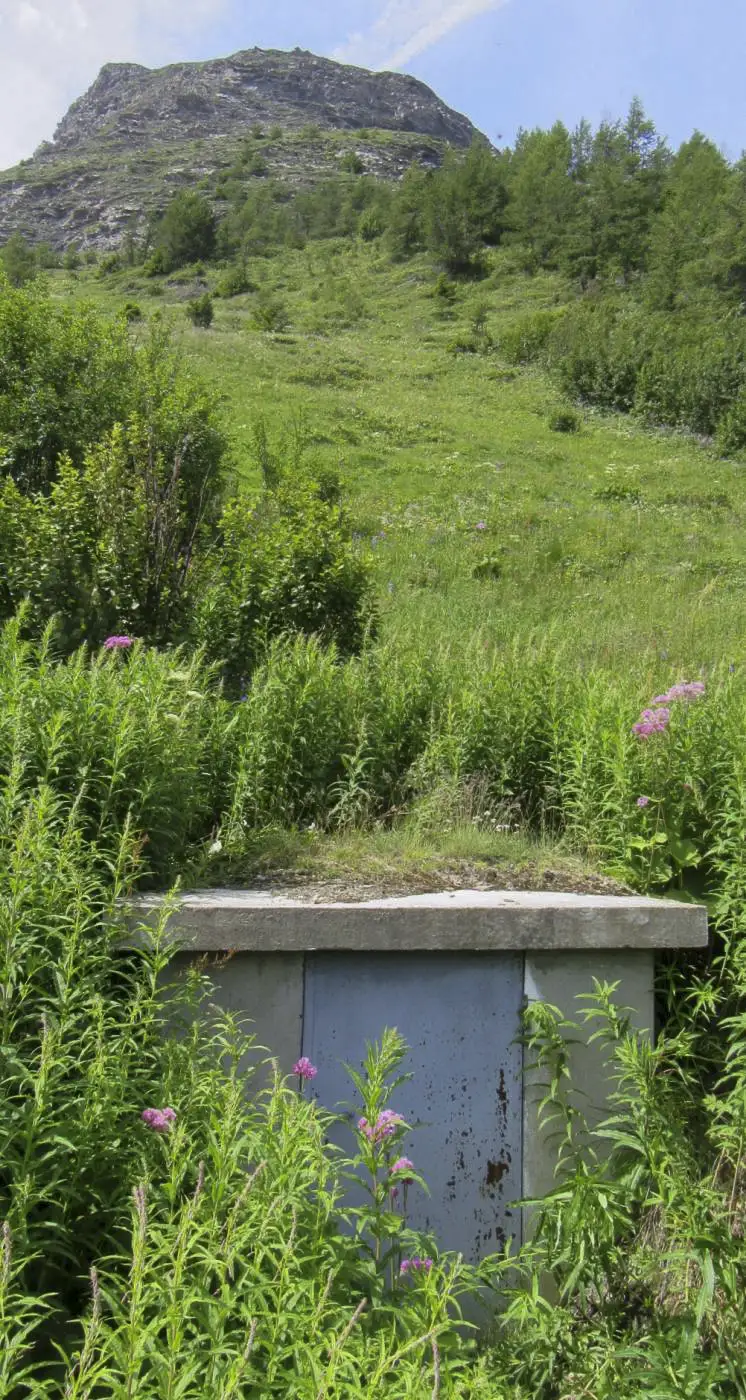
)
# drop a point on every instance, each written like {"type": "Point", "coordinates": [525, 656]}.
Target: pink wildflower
{"type": "Point", "coordinates": [403, 1164]}
{"type": "Point", "coordinates": [304, 1069]}
{"type": "Point", "coordinates": [643, 801]}
{"type": "Point", "coordinates": [686, 690]}
{"type": "Point", "coordinates": [415, 1264]}
{"type": "Point", "coordinates": [651, 722]}
{"type": "Point", "coordinates": [117, 643]}
{"type": "Point", "coordinates": [388, 1122]}
{"type": "Point", "coordinates": [159, 1119]}
{"type": "Point", "coordinates": [385, 1126]}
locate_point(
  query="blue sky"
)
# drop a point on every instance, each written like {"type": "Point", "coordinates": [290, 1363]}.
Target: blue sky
{"type": "Point", "coordinates": [506, 63]}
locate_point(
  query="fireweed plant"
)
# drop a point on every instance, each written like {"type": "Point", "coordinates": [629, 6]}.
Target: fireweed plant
{"type": "Point", "coordinates": [662, 853]}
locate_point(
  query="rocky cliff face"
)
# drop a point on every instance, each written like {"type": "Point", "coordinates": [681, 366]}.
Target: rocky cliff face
{"type": "Point", "coordinates": [136, 106]}
{"type": "Point", "coordinates": [138, 134]}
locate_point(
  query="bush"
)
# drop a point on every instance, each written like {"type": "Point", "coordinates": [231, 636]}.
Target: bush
{"type": "Point", "coordinates": [352, 164]}
{"type": "Point", "coordinates": [731, 437]}
{"type": "Point", "coordinates": [109, 263]}
{"type": "Point", "coordinates": [201, 311]}
{"type": "Point", "coordinates": [67, 375]}
{"type": "Point", "coordinates": [257, 164]}
{"type": "Point", "coordinates": [523, 342]}
{"type": "Point", "coordinates": [111, 546]}
{"type": "Point", "coordinates": [18, 261]}
{"type": "Point", "coordinates": [566, 420]}
{"type": "Point", "coordinates": [464, 344]}
{"type": "Point", "coordinates": [132, 311]}
{"type": "Point", "coordinates": [488, 568]}
{"type": "Point", "coordinates": [445, 289]}
{"type": "Point", "coordinates": [269, 313]}
{"type": "Point", "coordinates": [285, 565]}
{"type": "Point", "coordinates": [235, 282]}
{"type": "Point", "coordinates": [372, 225]}
{"type": "Point", "coordinates": [186, 232]}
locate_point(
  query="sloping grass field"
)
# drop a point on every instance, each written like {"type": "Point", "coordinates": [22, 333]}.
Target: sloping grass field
{"type": "Point", "coordinates": [620, 544]}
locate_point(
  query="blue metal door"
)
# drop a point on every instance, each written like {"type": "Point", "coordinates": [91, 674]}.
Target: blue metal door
{"type": "Point", "coordinates": [460, 1016]}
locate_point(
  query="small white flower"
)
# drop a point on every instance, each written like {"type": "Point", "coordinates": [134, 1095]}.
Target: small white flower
{"type": "Point", "coordinates": [216, 848]}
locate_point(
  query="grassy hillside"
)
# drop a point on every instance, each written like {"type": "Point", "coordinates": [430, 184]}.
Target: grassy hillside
{"type": "Point", "coordinates": [617, 543]}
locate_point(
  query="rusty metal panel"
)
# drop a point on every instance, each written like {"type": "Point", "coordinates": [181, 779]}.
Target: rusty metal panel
{"type": "Point", "coordinates": [460, 1015]}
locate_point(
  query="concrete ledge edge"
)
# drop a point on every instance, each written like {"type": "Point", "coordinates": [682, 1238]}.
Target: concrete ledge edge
{"type": "Point", "coordinates": [467, 921]}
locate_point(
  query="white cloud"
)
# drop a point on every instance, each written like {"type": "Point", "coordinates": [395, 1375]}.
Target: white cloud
{"type": "Point", "coordinates": [51, 50]}
{"type": "Point", "coordinates": [406, 28]}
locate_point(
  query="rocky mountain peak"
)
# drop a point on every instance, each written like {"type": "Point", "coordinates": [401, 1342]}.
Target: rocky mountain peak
{"type": "Point", "coordinates": [135, 106]}
{"type": "Point", "coordinates": [138, 135]}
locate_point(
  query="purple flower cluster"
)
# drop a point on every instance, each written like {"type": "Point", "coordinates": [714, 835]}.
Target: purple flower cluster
{"type": "Point", "coordinates": [656, 721]}
{"type": "Point", "coordinates": [652, 722]}
{"type": "Point", "coordinates": [643, 801]}
{"type": "Point", "coordinates": [385, 1126]}
{"type": "Point", "coordinates": [403, 1164]}
{"type": "Point", "coordinates": [117, 643]}
{"type": "Point", "coordinates": [687, 690]}
{"type": "Point", "coordinates": [304, 1069]}
{"type": "Point", "coordinates": [415, 1264]}
{"type": "Point", "coordinates": [159, 1119]}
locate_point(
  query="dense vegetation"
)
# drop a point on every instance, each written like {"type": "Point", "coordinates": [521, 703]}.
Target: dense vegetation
{"type": "Point", "coordinates": [393, 584]}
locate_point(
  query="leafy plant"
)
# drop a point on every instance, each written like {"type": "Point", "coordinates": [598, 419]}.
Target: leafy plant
{"type": "Point", "coordinates": [201, 312]}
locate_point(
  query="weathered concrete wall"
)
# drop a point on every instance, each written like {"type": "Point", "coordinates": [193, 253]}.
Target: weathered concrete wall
{"type": "Point", "coordinates": [560, 979]}
{"type": "Point", "coordinates": [265, 989]}
{"type": "Point", "coordinates": [452, 972]}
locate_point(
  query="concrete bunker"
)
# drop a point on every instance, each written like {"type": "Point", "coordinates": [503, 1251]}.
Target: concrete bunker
{"type": "Point", "coordinates": [453, 972]}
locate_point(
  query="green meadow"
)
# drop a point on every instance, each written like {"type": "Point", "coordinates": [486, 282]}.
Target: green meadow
{"type": "Point", "coordinates": [619, 542]}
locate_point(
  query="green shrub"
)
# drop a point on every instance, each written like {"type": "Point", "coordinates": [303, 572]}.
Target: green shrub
{"type": "Point", "coordinates": [200, 311]}
{"type": "Point", "coordinates": [464, 344]}
{"type": "Point", "coordinates": [731, 437]}
{"type": "Point", "coordinates": [185, 233]}
{"type": "Point", "coordinates": [352, 163]}
{"type": "Point", "coordinates": [110, 548]}
{"type": "Point", "coordinates": [372, 225]}
{"type": "Point", "coordinates": [285, 565]}
{"type": "Point", "coordinates": [111, 544]}
{"type": "Point", "coordinates": [566, 420]}
{"type": "Point", "coordinates": [445, 289]}
{"type": "Point", "coordinates": [597, 350]}
{"type": "Point", "coordinates": [257, 164]}
{"type": "Point", "coordinates": [235, 282]}
{"type": "Point", "coordinates": [488, 568]}
{"type": "Point", "coordinates": [132, 311]}
{"type": "Point", "coordinates": [270, 313]}
{"type": "Point", "coordinates": [109, 263]}
{"type": "Point", "coordinates": [18, 261]}
{"type": "Point", "coordinates": [66, 376]}
{"type": "Point", "coordinates": [523, 341]}
{"type": "Point", "coordinates": [156, 264]}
